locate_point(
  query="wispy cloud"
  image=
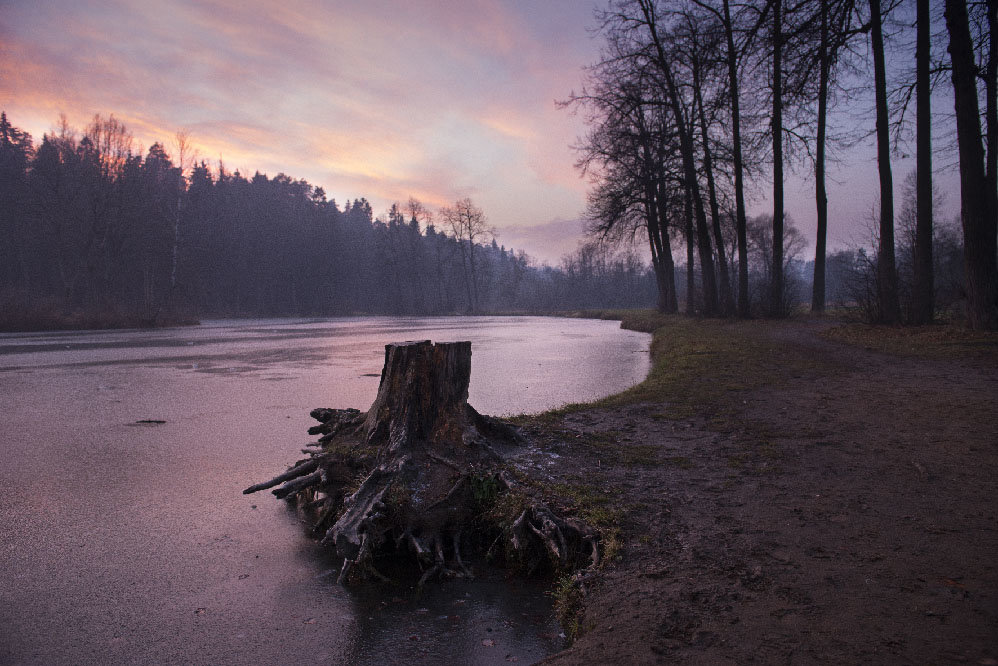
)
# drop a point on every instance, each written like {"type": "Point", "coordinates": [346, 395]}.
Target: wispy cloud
{"type": "Point", "coordinates": [376, 98]}
{"type": "Point", "coordinates": [552, 240]}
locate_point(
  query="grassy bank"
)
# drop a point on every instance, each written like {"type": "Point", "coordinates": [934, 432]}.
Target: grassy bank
{"type": "Point", "coordinates": [939, 341]}
{"type": "Point", "coordinates": [707, 368]}
{"type": "Point", "coordinates": [699, 365]}
{"type": "Point", "coordinates": [757, 466]}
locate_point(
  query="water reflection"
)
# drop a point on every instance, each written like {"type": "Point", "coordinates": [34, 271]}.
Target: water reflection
{"type": "Point", "coordinates": [493, 619]}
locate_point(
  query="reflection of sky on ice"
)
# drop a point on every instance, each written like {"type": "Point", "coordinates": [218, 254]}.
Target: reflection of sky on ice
{"type": "Point", "coordinates": [123, 542]}
{"type": "Point", "coordinates": [520, 364]}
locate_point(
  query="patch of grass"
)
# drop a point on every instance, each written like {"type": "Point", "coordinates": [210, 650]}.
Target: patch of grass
{"type": "Point", "coordinates": [506, 508]}
{"type": "Point", "coordinates": [645, 321]}
{"type": "Point", "coordinates": [634, 455]}
{"type": "Point", "coordinates": [597, 508]}
{"type": "Point", "coordinates": [351, 451]}
{"type": "Point", "coordinates": [19, 312]}
{"type": "Point", "coordinates": [612, 544]}
{"type": "Point", "coordinates": [675, 413]}
{"type": "Point", "coordinates": [681, 462]}
{"type": "Point", "coordinates": [758, 457]}
{"type": "Point", "coordinates": [939, 341]}
{"type": "Point", "coordinates": [592, 504]}
{"type": "Point", "coordinates": [698, 365]}
{"type": "Point", "coordinates": [568, 606]}
{"type": "Point", "coordinates": [602, 439]}
{"type": "Point", "coordinates": [396, 500]}
{"type": "Point", "coordinates": [769, 450]}
{"type": "Point", "coordinates": [608, 446]}
{"type": "Point", "coordinates": [485, 489]}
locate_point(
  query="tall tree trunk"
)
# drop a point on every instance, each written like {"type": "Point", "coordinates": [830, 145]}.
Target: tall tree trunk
{"type": "Point", "coordinates": [727, 300]}
{"type": "Point", "coordinates": [690, 256]}
{"type": "Point", "coordinates": [665, 250]}
{"type": "Point", "coordinates": [979, 226]}
{"type": "Point", "coordinates": [660, 303]}
{"type": "Point", "coordinates": [924, 289]}
{"type": "Point", "coordinates": [820, 194]}
{"type": "Point", "coordinates": [887, 285]}
{"type": "Point", "coordinates": [658, 228]}
{"type": "Point", "coordinates": [991, 110]}
{"type": "Point", "coordinates": [651, 220]}
{"type": "Point", "coordinates": [474, 276]}
{"type": "Point", "coordinates": [740, 224]}
{"type": "Point", "coordinates": [467, 276]}
{"type": "Point", "coordinates": [708, 278]}
{"type": "Point", "coordinates": [175, 254]}
{"type": "Point", "coordinates": [776, 307]}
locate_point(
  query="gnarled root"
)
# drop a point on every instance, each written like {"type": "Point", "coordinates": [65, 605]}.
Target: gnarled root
{"type": "Point", "coordinates": [537, 530]}
{"type": "Point", "coordinates": [411, 475]}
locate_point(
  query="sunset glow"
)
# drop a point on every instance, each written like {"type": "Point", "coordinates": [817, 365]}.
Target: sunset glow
{"type": "Point", "coordinates": [385, 100]}
{"type": "Point", "coordinates": [381, 99]}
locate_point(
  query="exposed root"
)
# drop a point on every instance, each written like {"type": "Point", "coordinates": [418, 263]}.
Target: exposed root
{"type": "Point", "coordinates": [457, 557]}
{"type": "Point", "coordinates": [419, 472]}
{"type": "Point", "coordinates": [301, 483]}
{"type": "Point", "coordinates": [300, 469]}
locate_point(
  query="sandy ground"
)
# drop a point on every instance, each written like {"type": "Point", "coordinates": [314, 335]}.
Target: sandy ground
{"type": "Point", "coordinates": [848, 516]}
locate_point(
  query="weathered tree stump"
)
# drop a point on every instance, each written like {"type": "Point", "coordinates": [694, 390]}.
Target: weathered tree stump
{"type": "Point", "coordinates": [420, 471]}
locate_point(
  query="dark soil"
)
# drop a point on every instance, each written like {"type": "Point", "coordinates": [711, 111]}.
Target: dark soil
{"type": "Point", "coordinates": [838, 506]}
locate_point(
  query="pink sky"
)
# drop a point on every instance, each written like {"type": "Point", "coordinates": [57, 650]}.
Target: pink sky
{"type": "Point", "coordinates": [367, 98]}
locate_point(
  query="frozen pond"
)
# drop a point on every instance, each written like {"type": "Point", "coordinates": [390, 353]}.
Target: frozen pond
{"type": "Point", "coordinates": [129, 542]}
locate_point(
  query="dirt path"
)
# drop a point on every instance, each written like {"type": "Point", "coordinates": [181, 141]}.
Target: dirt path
{"type": "Point", "coordinates": [845, 513]}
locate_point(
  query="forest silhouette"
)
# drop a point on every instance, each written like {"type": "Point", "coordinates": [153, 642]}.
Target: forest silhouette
{"type": "Point", "coordinates": [98, 234]}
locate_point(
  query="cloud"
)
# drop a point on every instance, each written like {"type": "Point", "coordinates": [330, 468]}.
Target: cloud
{"type": "Point", "coordinates": [379, 99]}
{"type": "Point", "coordinates": [547, 242]}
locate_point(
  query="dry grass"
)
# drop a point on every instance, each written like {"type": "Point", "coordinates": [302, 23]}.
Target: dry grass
{"type": "Point", "coordinates": [645, 321]}
{"type": "Point", "coordinates": [699, 367]}
{"type": "Point", "coordinates": [941, 341]}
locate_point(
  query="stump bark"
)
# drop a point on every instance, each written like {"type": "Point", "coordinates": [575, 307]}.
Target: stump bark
{"type": "Point", "coordinates": [420, 472]}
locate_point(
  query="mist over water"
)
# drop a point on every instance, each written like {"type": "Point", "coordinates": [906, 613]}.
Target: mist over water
{"type": "Point", "coordinates": [129, 541]}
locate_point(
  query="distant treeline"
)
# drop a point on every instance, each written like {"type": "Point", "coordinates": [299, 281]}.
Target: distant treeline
{"type": "Point", "coordinates": [95, 233]}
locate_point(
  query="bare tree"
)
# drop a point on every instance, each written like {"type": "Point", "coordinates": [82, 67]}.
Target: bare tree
{"type": "Point", "coordinates": [820, 194]}
{"type": "Point", "coordinates": [776, 285]}
{"type": "Point", "coordinates": [418, 214]}
{"type": "Point", "coordinates": [701, 45]}
{"type": "Point", "coordinates": [106, 147]}
{"type": "Point", "coordinates": [731, 60]}
{"type": "Point", "coordinates": [186, 155]}
{"type": "Point", "coordinates": [628, 156]}
{"type": "Point", "coordinates": [468, 224]}
{"type": "Point", "coordinates": [990, 71]}
{"type": "Point", "coordinates": [887, 286]}
{"type": "Point", "coordinates": [649, 20]}
{"type": "Point", "coordinates": [923, 289]}
{"type": "Point", "coordinates": [979, 225]}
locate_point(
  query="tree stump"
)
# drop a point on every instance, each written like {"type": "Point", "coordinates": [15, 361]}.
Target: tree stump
{"type": "Point", "coordinates": [419, 472]}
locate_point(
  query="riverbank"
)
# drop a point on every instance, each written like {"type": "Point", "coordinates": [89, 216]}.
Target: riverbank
{"type": "Point", "coordinates": [789, 492]}
{"type": "Point", "coordinates": [126, 539]}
